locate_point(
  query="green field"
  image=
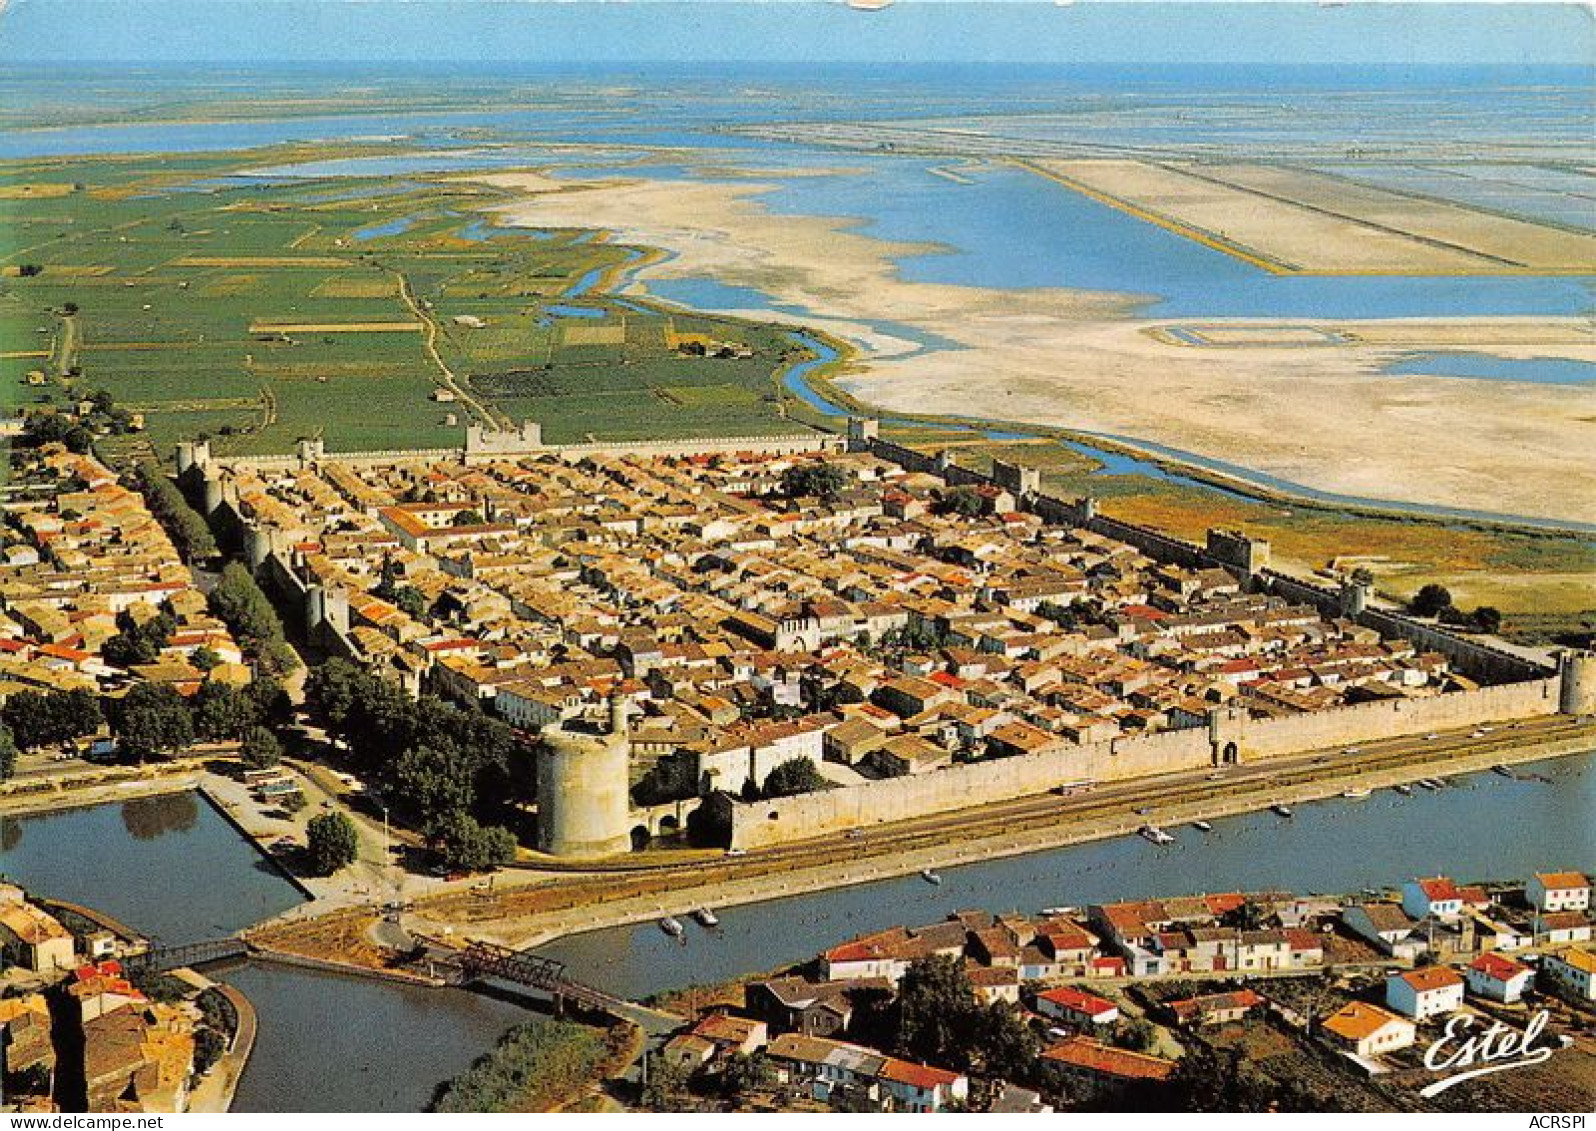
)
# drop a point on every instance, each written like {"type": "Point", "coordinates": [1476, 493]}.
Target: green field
{"type": "Point", "coordinates": [220, 307]}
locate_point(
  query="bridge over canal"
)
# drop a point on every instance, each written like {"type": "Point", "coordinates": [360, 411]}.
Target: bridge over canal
{"type": "Point", "coordinates": [158, 959]}
{"type": "Point", "coordinates": [478, 961]}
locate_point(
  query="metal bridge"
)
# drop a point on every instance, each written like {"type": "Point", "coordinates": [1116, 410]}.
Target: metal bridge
{"type": "Point", "coordinates": [161, 958]}
{"type": "Point", "coordinates": [487, 960]}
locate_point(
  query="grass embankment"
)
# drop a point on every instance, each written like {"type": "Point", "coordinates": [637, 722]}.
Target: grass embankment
{"type": "Point", "coordinates": [541, 1066]}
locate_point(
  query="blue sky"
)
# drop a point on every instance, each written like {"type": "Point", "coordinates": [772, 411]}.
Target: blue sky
{"type": "Point", "coordinates": [543, 31]}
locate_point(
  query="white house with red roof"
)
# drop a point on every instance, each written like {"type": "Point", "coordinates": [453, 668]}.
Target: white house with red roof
{"type": "Point", "coordinates": [1077, 1007]}
{"type": "Point", "coordinates": [1437, 896]}
{"type": "Point", "coordinates": [1558, 891]}
{"type": "Point", "coordinates": [1367, 1030]}
{"type": "Point", "coordinates": [921, 1087]}
{"type": "Point", "coordinates": [1428, 992]}
{"type": "Point", "coordinates": [1497, 977]}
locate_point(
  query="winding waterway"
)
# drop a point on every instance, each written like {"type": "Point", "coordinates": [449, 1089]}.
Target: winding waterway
{"type": "Point", "coordinates": [172, 868]}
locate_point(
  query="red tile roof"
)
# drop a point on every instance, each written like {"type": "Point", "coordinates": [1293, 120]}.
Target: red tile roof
{"type": "Point", "coordinates": [1093, 1056]}
{"type": "Point", "coordinates": [1078, 1001]}
{"type": "Point", "coordinates": [1498, 966]}
{"type": "Point", "coordinates": [1439, 888]}
{"type": "Point", "coordinates": [921, 1076]}
{"type": "Point", "coordinates": [1432, 978]}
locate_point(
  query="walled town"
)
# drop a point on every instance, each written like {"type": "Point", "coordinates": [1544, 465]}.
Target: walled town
{"type": "Point", "coordinates": [1130, 1002]}
{"type": "Point", "coordinates": [867, 634]}
{"type": "Point", "coordinates": [739, 644]}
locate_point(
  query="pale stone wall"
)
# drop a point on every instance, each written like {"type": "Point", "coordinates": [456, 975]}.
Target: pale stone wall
{"type": "Point", "coordinates": [959, 787]}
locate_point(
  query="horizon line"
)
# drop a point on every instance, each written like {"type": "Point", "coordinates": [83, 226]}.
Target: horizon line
{"type": "Point", "coordinates": [890, 64]}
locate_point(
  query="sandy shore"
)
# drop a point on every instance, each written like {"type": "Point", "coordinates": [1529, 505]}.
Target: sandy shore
{"type": "Point", "coordinates": [1324, 417]}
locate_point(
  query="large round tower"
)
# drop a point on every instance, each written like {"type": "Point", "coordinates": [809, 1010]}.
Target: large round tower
{"type": "Point", "coordinates": [583, 806]}
{"type": "Point", "coordinates": [1576, 671]}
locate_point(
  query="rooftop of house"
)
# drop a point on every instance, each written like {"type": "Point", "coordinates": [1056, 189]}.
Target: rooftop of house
{"type": "Point", "coordinates": [1088, 1055]}
{"type": "Point", "coordinates": [1359, 1020]}
{"type": "Point", "coordinates": [1562, 881]}
{"type": "Point", "coordinates": [1430, 978]}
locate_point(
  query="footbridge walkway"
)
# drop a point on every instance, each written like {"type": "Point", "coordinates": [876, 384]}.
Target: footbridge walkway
{"type": "Point", "coordinates": [158, 959]}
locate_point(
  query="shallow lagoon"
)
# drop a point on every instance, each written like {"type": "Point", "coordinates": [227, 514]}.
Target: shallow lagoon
{"type": "Point", "coordinates": [1485, 367]}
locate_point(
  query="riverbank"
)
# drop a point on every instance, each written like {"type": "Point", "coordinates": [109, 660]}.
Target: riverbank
{"type": "Point", "coordinates": [836, 865]}
{"type": "Point", "coordinates": [64, 794]}
{"type": "Point", "coordinates": [1264, 407]}
{"type": "Point", "coordinates": [214, 1094]}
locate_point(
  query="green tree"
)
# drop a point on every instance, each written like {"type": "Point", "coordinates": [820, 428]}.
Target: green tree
{"type": "Point", "coordinates": [466, 518]}
{"type": "Point", "coordinates": [188, 531]}
{"type": "Point", "coordinates": [1136, 1034]}
{"type": "Point", "coordinates": [270, 699]}
{"type": "Point", "coordinates": [260, 749]}
{"type": "Point", "coordinates": [1002, 1044]}
{"type": "Point", "coordinates": [1430, 600]}
{"type": "Point", "coordinates": [8, 754]}
{"type": "Point", "coordinates": [153, 721]}
{"type": "Point", "coordinates": [1488, 618]}
{"type": "Point", "coordinates": [667, 1084]}
{"type": "Point", "coordinates": [1210, 1079]}
{"type": "Point", "coordinates": [965, 501]}
{"type": "Point", "coordinates": [469, 846]}
{"type": "Point", "coordinates": [410, 601]}
{"type": "Point", "coordinates": [817, 479]}
{"type": "Point", "coordinates": [743, 1073]}
{"type": "Point", "coordinates": [138, 641]}
{"type": "Point", "coordinates": [798, 775]}
{"type": "Point", "coordinates": [435, 785]}
{"type": "Point", "coordinates": [332, 843]}
{"type": "Point", "coordinates": [1249, 915]}
{"type": "Point", "coordinates": [205, 658]}
{"type": "Point", "coordinates": [388, 581]}
{"type": "Point", "coordinates": [335, 690]}
{"type": "Point", "coordinates": [935, 1010]}
{"type": "Point", "coordinates": [239, 602]}
{"type": "Point", "coordinates": [45, 718]}
{"type": "Point", "coordinates": [223, 712]}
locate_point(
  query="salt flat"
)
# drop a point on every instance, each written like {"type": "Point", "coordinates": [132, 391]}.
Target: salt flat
{"type": "Point", "coordinates": [1291, 221]}
{"type": "Point", "coordinates": [1325, 417]}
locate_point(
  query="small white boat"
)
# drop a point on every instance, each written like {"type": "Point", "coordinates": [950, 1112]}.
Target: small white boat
{"type": "Point", "coordinates": [929, 876]}
{"type": "Point", "coordinates": [1283, 809]}
{"type": "Point", "coordinates": [1202, 826]}
{"type": "Point", "coordinates": [706, 917]}
{"type": "Point", "coordinates": [671, 927]}
{"type": "Point", "coordinates": [1505, 771]}
{"type": "Point", "coordinates": [1429, 783]}
{"type": "Point", "coordinates": [1155, 834]}
{"type": "Point", "coordinates": [1055, 912]}
{"type": "Point", "coordinates": [1404, 789]}
{"type": "Point", "coordinates": [1355, 793]}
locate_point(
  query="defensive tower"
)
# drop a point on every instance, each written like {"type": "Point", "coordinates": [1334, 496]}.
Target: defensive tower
{"type": "Point", "coordinates": [583, 807]}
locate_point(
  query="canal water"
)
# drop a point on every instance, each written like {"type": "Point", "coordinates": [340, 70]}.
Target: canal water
{"type": "Point", "coordinates": [1482, 827]}
{"type": "Point", "coordinates": [171, 867]}
{"type": "Point", "coordinates": [330, 1042]}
